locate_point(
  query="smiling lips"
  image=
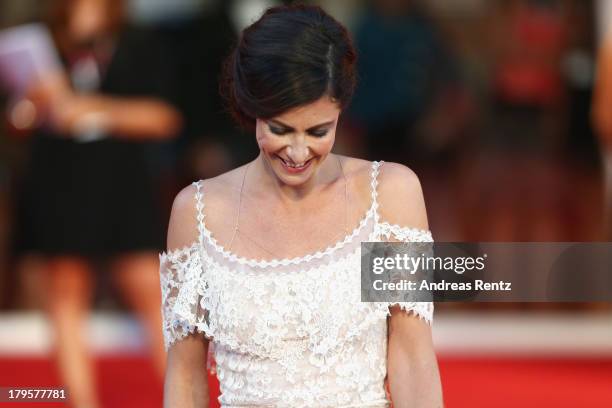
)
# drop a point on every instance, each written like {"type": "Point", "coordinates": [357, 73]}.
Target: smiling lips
{"type": "Point", "coordinates": [295, 168]}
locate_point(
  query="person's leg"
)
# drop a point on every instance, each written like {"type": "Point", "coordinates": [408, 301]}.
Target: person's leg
{"type": "Point", "coordinates": [607, 161]}
{"type": "Point", "coordinates": [137, 276]}
{"type": "Point", "coordinates": [68, 302]}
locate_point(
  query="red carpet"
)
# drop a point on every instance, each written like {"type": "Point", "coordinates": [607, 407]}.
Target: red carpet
{"type": "Point", "coordinates": [526, 382]}
{"type": "Point", "coordinates": [468, 382]}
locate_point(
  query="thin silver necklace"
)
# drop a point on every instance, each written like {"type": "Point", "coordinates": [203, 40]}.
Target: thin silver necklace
{"type": "Point", "coordinates": [237, 223]}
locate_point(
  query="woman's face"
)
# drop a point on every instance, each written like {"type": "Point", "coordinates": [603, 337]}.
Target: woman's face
{"type": "Point", "coordinates": [88, 19]}
{"type": "Point", "coordinates": [296, 143]}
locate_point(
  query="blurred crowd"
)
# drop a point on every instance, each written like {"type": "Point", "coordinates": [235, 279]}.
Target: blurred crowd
{"type": "Point", "coordinates": [492, 103]}
{"type": "Point", "coordinates": [501, 107]}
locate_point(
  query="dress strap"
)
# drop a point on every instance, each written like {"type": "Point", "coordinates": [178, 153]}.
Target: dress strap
{"type": "Point", "coordinates": [199, 204]}
{"type": "Point", "coordinates": [374, 187]}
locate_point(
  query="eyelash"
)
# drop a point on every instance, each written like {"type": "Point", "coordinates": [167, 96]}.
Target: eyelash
{"type": "Point", "coordinates": [281, 132]}
{"type": "Point", "coordinates": [320, 133]}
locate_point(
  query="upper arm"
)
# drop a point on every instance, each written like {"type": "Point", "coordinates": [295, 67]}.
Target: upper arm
{"type": "Point", "coordinates": [602, 97]}
{"type": "Point", "coordinates": [404, 218]}
{"type": "Point", "coordinates": [186, 383]}
{"type": "Point", "coordinates": [183, 284]}
{"type": "Point", "coordinates": [183, 275]}
{"type": "Point", "coordinates": [412, 368]}
{"type": "Point", "coordinates": [401, 198]}
{"type": "Point", "coordinates": [409, 339]}
{"type": "Point", "coordinates": [407, 330]}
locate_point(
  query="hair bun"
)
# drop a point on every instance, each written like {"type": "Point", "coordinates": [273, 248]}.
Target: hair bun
{"type": "Point", "coordinates": [291, 56]}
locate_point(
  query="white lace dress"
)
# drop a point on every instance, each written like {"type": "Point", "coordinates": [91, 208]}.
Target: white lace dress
{"type": "Point", "coordinates": [286, 332]}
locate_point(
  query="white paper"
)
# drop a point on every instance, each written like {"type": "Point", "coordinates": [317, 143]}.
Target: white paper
{"type": "Point", "coordinates": [27, 53]}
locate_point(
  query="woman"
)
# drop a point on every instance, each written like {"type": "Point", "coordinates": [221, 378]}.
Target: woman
{"type": "Point", "coordinates": [602, 122]}
{"type": "Point", "coordinates": [88, 193]}
{"type": "Point", "coordinates": [260, 258]}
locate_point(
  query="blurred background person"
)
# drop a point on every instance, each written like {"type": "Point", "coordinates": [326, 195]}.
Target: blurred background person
{"type": "Point", "coordinates": [602, 121]}
{"type": "Point", "coordinates": [407, 67]}
{"type": "Point", "coordinates": [528, 43]}
{"type": "Point", "coordinates": [424, 112]}
{"type": "Point", "coordinates": [89, 193]}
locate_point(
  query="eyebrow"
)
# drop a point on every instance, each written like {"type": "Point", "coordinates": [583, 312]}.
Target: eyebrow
{"type": "Point", "coordinates": [310, 129]}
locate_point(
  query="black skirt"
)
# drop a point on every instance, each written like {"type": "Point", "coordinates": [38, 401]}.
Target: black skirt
{"type": "Point", "coordinates": [88, 199]}
{"type": "Point", "coordinates": [98, 198]}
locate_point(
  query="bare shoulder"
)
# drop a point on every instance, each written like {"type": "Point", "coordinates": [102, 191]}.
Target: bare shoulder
{"type": "Point", "coordinates": [400, 196]}
{"type": "Point", "coordinates": [356, 167]}
{"type": "Point", "coordinates": [226, 179]}
{"type": "Point", "coordinates": [216, 195]}
{"type": "Point", "coordinates": [359, 176]}
{"type": "Point", "coordinates": [183, 225]}
{"type": "Point", "coordinates": [397, 182]}
{"type": "Point", "coordinates": [357, 170]}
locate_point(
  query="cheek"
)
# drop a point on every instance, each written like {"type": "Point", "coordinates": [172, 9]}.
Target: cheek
{"type": "Point", "coordinates": [266, 141]}
{"type": "Point", "coordinates": [324, 146]}
{"type": "Point", "coordinates": [269, 143]}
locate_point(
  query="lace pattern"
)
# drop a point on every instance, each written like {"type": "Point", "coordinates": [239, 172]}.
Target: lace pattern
{"type": "Point", "coordinates": [184, 300]}
{"type": "Point", "coordinates": [300, 337]}
{"type": "Point", "coordinates": [388, 231]}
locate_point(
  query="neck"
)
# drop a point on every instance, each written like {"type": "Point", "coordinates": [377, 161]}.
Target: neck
{"type": "Point", "coordinates": [328, 172]}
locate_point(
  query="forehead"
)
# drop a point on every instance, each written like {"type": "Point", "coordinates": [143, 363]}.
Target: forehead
{"type": "Point", "coordinates": [315, 113]}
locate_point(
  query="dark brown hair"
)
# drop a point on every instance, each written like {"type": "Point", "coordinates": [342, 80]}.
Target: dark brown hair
{"type": "Point", "coordinates": [292, 56]}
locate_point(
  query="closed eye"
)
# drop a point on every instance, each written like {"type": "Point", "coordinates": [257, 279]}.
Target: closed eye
{"type": "Point", "coordinates": [318, 133]}
{"type": "Point", "coordinates": [278, 131]}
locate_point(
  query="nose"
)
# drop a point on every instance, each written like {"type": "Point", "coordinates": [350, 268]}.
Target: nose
{"type": "Point", "coordinates": [298, 150]}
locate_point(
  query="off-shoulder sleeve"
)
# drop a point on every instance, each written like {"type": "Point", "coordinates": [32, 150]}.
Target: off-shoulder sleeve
{"type": "Point", "coordinates": [185, 294]}
{"type": "Point", "coordinates": [395, 233]}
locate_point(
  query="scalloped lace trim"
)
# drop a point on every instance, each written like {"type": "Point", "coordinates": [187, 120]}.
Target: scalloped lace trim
{"type": "Point", "coordinates": [205, 233]}
{"type": "Point", "coordinates": [406, 234]}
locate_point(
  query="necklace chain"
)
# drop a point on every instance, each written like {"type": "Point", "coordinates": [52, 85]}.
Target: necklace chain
{"type": "Point", "coordinates": [236, 224]}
